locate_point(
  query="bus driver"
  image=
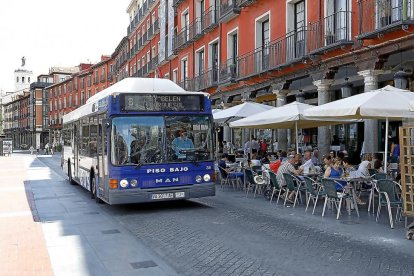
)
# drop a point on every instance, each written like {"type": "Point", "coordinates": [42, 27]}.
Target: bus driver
{"type": "Point", "coordinates": [182, 142]}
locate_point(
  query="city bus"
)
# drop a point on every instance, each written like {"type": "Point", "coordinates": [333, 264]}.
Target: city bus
{"type": "Point", "coordinates": [141, 140]}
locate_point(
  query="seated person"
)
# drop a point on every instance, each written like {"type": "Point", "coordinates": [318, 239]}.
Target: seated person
{"type": "Point", "coordinates": [274, 166]}
{"type": "Point", "coordinates": [182, 142]}
{"type": "Point", "coordinates": [298, 161]}
{"type": "Point", "coordinates": [223, 164]}
{"type": "Point", "coordinates": [364, 166]}
{"type": "Point", "coordinates": [287, 167]}
{"type": "Point", "coordinates": [335, 171]}
{"type": "Point", "coordinates": [255, 161]}
{"type": "Point", "coordinates": [307, 162]}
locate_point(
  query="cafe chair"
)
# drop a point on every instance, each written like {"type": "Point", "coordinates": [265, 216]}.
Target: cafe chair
{"type": "Point", "coordinates": [333, 196]}
{"type": "Point", "coordinates": [274, 184]}
{"type": "Point", "coordinates": [389, 192]}
{"type": "Point", "coordinates": [313, 191]}
{"type": "Point", "coordinates": [249, 178]}
{"type": "Point", "coordinates": [227, 178]}
{"type": "Point", "coordinates": [294, 185]}
{"type": "Point", "coordinates": [374, 180]}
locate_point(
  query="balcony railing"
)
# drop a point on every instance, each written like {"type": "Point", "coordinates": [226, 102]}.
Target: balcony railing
{"type": "Point", "coordinates": [331, 32]}
{"type": "Point", "coordinates": [209, 19]}
{"type": "Point", "coordinates": [206, 80]}
{"type": "Point", "coordinates": [187, 84]}
{"type": "Point", "coordinates": [382, 16]}
{"type": "Point", "coordinates": [229, 9]}
{"type": "Point", "coordinates": [177, 2]}
{"type": "Point", "coordinates": [246, 3]}
{"type": "Point", "coordinates": [182, 39]}
{"type": "Point", "coordinates": [285, 50]}
{"type": "Point", "coordinates": [103, 78]}
{"type": "Point", "coordinates": [228, 71]}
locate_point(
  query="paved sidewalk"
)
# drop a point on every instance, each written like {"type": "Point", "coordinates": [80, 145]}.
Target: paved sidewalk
{"type": "Point", "coordinates": [23, 248]}
{"type": "Point", "coordinates": [49, 227]}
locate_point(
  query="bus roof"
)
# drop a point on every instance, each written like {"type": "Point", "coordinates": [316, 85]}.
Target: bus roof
{"type": "Point", "coordinates": [129, 85]}
{"type": "Point", "coordinates": [141, 85]}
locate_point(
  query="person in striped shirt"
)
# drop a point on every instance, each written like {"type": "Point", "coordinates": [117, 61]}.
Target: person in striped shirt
{"type": "Point", "coordinates": [287, 167]}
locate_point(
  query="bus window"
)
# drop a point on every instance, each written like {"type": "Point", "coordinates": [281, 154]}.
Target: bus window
{"type": "Point", "coordinates": [189, 138]}
{"type": "Point", "coordinates": [137, 140]}
{"type": "Point", "coordinates": [93, 136]}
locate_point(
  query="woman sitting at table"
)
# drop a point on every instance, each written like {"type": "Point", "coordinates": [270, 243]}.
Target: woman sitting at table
{"type": "Point", "coordinates": [335, 171]}
{"type": "Point", "coordinates": [364, 166]}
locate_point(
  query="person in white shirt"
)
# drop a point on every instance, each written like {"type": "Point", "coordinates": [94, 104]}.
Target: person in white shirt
{"type": "Point", "coordinates": [307, 161]}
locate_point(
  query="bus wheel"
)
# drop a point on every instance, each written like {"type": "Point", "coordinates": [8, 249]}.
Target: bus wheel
{"type": "Point", "coordinates": [71, 181]}
{"type": "Point", "coordinates": [94, 190]}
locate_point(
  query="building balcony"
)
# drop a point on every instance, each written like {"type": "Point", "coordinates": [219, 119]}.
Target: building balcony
{"type": "Point", "coordinates": [209, 19]}
{"type": "Point", "coordinates": [228, 10]}
{"type": "Point", "coordinates": [153, 64]}
{"type": "Point", "coordinates": [206, 80]}
{"type": "Point", "coordinates": [332, 32]}
{"type": "Point", "coordinates": [182, 39]}
{"type": "Point", "coordinates": [103, 78]}
{"type": "Point", "coordinates": [95, 80]}
{"type": "Point", "coordinates": [187, 84]}
{"type": "Point", "coordinates": [150, 32]}
{"type": "Point", "coordinates": [156, 25]}
{"type": "Point", "coordinates": [228, 71]}
{"type": "Point", "coordinates": [246, 3]}
{"type": "Point", "coordinates": [284, 51]}
{"type": "Point", "coordinates": [384, 16]}
{"type": "Point", "coordinates": [176, 3]}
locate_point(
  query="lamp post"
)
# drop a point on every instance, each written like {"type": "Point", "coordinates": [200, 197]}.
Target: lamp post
{"type": "Point", "coordinates": [400, 79]}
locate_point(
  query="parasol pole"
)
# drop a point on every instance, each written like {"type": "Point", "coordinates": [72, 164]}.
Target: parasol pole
{"type": "Point", "coordinates": [386, 145]}
{"type": "Point", "coordinates": [296, 134]}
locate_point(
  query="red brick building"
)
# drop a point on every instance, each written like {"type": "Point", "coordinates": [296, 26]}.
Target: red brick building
{"type": "Point", "coordinates": [266, 51]}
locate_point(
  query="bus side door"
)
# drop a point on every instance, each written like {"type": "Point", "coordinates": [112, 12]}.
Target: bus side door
{"type": "Point", "coordinates": [103, 180]}
{"type": "Point", "coordinates": [76, 131]}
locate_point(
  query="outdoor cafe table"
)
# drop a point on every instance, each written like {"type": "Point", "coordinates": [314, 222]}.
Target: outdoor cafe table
{"type": "Point", "coordinates": [351, 186]}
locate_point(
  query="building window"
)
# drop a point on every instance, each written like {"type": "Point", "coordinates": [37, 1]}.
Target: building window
{"type": "Point", "coordinates": [17, 79]}
{"type": "Point", "coordinates": [175, 75]}
{"type": "Point", "coordinates": [199, 62]}
{"type": "Point", "coordinates": [214, 60]}
{"type": "Point", "coordinates": [22, 79]}
{"type": "Point", "coordinates": [184, 70]}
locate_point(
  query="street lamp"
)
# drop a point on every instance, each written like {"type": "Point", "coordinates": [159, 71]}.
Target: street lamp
{"type": "Point", "coordinates": [346, 89]}
{"type": "Point", "coordinates": [400, 79]}
{"type": "Point", "coordinates": [300, 97]}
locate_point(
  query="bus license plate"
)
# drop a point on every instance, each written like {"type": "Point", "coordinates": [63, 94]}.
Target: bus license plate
{"type": "Point", "coordinates": [168, 195]}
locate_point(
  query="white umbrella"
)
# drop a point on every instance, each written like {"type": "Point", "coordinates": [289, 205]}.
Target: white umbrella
{"type": "Point", "coordinates": [287, 116]}
{"type": "Point", "coordinates": [387, 103]}
{"type": "Point", "coordinates": [240, 111]}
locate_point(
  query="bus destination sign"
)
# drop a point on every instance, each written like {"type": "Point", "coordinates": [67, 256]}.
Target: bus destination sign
{"type": "Point", "coordinates": [160, 102]}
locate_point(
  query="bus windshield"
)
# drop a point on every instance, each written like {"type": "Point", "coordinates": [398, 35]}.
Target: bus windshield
{"type": "Point", "coordinates": [160, 139]}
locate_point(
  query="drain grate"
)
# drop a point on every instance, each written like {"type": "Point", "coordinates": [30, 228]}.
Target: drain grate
{"type": "Point", "coordinates": [112, 231]}
{"type": "Point", "coordinates": [91, 213]}
{"type": "Point", "coordinates": [349, 222]}
{"type": "Point", "coordinates": [144, 264]}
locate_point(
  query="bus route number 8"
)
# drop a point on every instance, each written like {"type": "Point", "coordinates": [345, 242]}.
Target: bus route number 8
{"type": "Point", "coordinates": [130, 102]}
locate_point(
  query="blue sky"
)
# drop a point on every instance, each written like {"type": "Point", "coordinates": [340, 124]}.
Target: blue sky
{"type": "Point", "coordinates": [57, 33]}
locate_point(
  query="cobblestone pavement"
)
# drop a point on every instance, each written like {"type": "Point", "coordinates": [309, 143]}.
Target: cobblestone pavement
{"type": "Point", "coordinates": [230, 234]}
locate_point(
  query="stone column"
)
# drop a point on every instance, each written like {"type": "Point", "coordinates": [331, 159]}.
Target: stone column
{"type": "Point", "coordinates": [370, 126]}
{"type": "Point", "coordinates": [324, 137]}
{"type": "Point", "coordinates": [281, 133]}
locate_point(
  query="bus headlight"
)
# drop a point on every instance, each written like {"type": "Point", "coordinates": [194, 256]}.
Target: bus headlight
{"type": "Point", "coordinates": [198, 178]}
{"type": "Point", "coordinates": [123, 183]}
{"type": "Point", "coordinates": [134, 182]}
{"type": "Point", "coordinates": [206, 177]}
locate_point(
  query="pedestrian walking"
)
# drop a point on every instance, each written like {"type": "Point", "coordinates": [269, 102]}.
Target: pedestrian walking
{"type": "Point", "coordinates": [47, 148]}
{"type": "Point", "coordinates": [31, 150]}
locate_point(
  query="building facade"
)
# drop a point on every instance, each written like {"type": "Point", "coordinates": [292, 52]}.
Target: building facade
{"type": "Point", "coordinates": [314, 51]}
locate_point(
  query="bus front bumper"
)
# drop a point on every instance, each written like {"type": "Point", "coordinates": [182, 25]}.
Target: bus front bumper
{"type": "Point", "coordinates": [161, 194]}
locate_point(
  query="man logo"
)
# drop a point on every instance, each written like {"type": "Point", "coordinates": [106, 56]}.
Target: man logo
{"type": "Point", "coordinates": [94, 107]}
